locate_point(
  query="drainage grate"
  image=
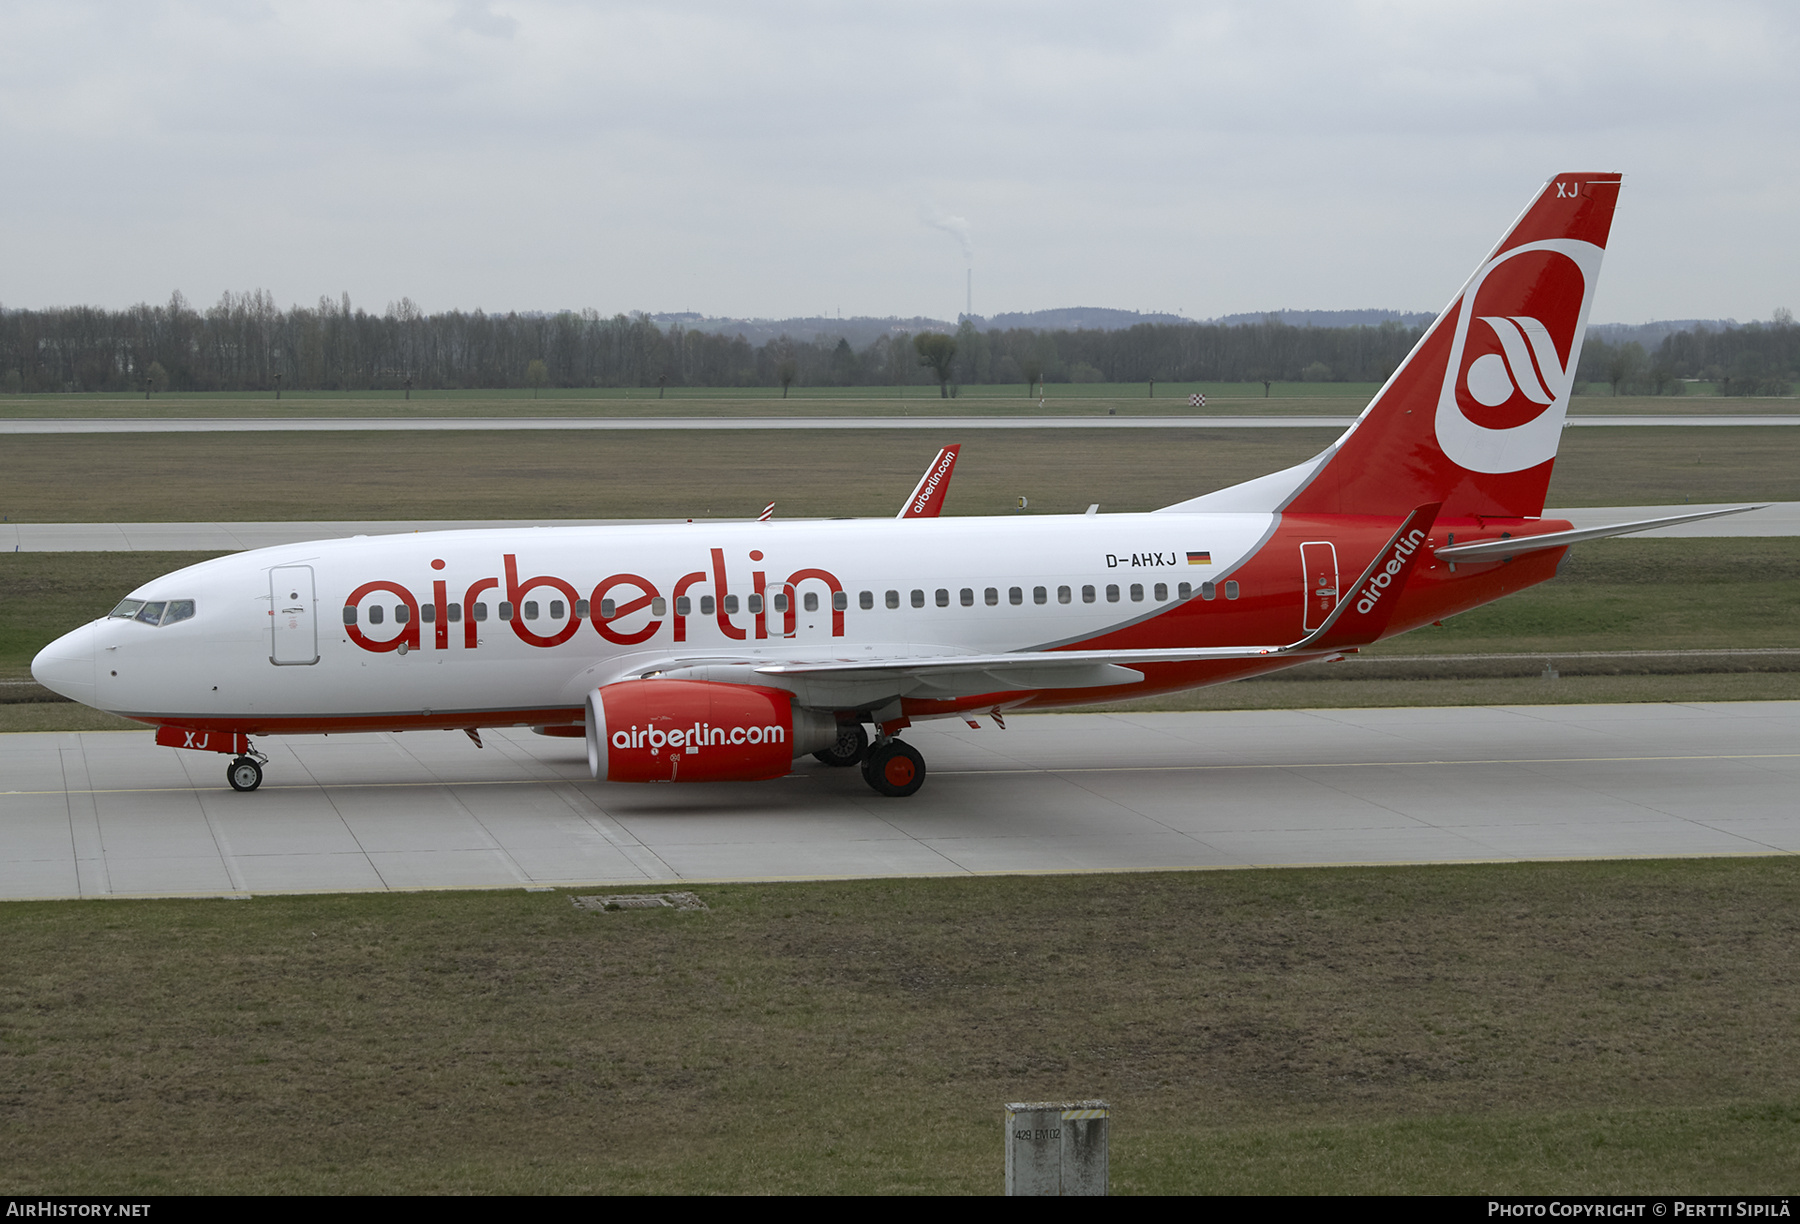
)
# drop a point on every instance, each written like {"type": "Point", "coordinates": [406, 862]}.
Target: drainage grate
{"type": "Point", "coordinates": [636, 901]}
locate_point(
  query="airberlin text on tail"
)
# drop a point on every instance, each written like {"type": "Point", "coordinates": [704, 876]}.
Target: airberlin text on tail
{"type": "Point", "coordinates": [1363, 615]}
{"type": "Point", "coordinates": [1472, 417]}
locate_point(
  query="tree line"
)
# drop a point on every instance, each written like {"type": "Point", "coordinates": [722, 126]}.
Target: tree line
{"type": "Point", "coordinates": [245, 343]}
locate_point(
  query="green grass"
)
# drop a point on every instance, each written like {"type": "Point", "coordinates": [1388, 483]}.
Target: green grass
{"type": "Point", "coordinates": [202, 477]}
{"type": "Point", "coordinates": [1056, 399]}
{"type": "Point", "coordinates": [1334, 399]}
{"type": "Point", "coordinates": [1550, 1028]}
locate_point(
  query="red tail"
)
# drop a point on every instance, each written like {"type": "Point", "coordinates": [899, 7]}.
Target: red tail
{"type": "Point", "coordinates": [1472, 417]}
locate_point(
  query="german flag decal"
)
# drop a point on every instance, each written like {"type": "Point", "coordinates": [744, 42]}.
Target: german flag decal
{"type": "Point", "coordinates": [1199, 558]}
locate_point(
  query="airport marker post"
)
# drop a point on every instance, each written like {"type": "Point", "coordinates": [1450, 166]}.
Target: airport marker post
{"type": "Point", "coordinates": [1057, 1148]}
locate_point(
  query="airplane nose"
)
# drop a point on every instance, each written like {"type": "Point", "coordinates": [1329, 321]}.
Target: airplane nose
{"type": "Point", "coordinates": [66, 666]}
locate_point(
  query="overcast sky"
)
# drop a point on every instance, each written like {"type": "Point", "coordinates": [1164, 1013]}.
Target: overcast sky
{"type": "Point", "coordinates": [774, 159]}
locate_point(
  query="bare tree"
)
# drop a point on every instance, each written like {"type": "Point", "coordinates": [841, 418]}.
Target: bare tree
{"type": "Point", "coordinates": [937, 351]}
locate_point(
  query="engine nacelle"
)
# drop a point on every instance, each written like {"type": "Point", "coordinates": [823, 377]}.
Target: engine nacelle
{"type": "Point", "coordinates": [698, 731]}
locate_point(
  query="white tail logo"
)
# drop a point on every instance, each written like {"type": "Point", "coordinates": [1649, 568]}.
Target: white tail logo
{"type": "Point", "coordinates": [1528, 364]}
{"type": "Point", "coordinates": [1492, 379]}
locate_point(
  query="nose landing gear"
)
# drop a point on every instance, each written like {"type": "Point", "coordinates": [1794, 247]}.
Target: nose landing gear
{"type": "Point", "coordinates": [245, 773]}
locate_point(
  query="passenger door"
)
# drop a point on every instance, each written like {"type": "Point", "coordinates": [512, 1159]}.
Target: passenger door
{"type": "Point", "coordinates": [293, 624]}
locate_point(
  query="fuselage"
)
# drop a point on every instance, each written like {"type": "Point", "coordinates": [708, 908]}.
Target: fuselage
{"type": "Point", "coordinates": [511, 627]}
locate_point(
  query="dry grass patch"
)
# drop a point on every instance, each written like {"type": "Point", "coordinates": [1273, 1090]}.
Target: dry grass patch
{"type": "Point", "coordinates": [1444, 1028]}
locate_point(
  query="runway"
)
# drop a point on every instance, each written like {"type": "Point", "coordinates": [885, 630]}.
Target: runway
{"type": "Point", "coordinates": [110, 814]}
{"type": "Point", "coordinates": [1778, 519]}
{"type": "Point", "coordinates": [277, 424]}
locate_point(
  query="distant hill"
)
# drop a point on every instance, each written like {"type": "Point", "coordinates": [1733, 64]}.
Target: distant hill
{"type": "Point", "coordinates": [862, 330]}
{"type": "Point", "coordinates": [1652, 334]}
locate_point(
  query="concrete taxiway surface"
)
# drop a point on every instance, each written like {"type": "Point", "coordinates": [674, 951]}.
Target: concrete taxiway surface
{"type": "Point", "coordinates": [1779, 519]}
{"type": "Point", "coordinates": [276, 424]}
{"type": "Point", "coordinates": [109, 813]}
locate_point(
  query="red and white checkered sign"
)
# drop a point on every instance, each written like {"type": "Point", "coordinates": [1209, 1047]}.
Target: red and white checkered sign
{"type": "Point", "coordinates": [1197, 400]}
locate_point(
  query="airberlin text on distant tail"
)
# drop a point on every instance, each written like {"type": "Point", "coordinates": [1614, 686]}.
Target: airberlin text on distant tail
{"type": "Point", "coordinates": [624, 609]}
{"type": "Point", "coordinates": [1377, 585]}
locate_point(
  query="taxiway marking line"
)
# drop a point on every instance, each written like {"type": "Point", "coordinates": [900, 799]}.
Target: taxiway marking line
{"type": "Point", "coordinates": [959, 773]}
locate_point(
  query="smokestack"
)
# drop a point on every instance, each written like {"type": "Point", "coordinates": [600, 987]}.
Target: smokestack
{"type": "Point", "coordinates": [970, 310]}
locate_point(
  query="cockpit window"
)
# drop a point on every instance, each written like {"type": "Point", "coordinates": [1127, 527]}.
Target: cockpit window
{"type": "Point", "coordinates": [154, 612]}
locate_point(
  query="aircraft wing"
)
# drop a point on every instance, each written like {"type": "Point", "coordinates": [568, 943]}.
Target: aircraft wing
{"type": "Point", "coordinates": [927, 497]}
{"type": "Point", "coordinates": [1358, 620]}
{"type": "Point", "coordinates": [1493, 550]}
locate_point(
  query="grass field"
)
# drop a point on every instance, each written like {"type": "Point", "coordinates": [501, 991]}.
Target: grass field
{"type": "Point", "coordinates": [1601, 1027]}
{"type": "Point", "coordinates": [1056, 399]}
{"type": "Point", "coordinates": [204, 477]}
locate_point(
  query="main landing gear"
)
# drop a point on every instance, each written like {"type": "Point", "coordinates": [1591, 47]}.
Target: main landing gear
{"type": "Point", "coordinates": [244, 774]}
{"type": "Point", "coordinates": [894, 768]}
{"type": "Point", "coordinates": [851, 747]}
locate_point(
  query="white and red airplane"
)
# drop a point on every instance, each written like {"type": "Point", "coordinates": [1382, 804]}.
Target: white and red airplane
{"type": "Point", "coordinates": [712, 651]}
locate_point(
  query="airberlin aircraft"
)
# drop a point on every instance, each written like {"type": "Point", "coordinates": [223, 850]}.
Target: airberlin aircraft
{"type": "Point", "coordinates": [726, 651]}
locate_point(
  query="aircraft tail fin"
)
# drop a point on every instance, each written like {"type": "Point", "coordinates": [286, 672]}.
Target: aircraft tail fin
{"type": "Point", "coordinates": [1472, 417]}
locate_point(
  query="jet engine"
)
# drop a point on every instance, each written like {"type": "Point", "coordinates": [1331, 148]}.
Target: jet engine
{"type": "Point", "coordinates": [698, 731]}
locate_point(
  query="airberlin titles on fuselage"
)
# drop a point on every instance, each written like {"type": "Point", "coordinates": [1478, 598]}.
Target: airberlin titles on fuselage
{"type": "Point", "coordinates": [612, 600]}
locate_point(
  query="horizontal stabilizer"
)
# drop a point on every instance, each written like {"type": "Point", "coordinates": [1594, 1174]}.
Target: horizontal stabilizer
{"type": "Point", "coordinates": [1495, 550]}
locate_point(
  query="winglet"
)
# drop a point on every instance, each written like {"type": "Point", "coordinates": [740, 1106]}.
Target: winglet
{"type": "Point", "coordinates": [927, 497]}
{"type": "Point", "coordinates": [1362, 616]}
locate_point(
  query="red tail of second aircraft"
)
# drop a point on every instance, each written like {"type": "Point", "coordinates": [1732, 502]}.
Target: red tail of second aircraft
{"type": "Point", "coordinates": [1472, 417]}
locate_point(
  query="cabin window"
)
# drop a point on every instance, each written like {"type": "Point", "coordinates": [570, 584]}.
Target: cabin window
{"type": "Point", "coordinates": [1231, 590]}
{"type": "Point", "coordinates": [376, 614]}
{"type": "Point", "coordinates": [840, 601]}
{"type": "Point", "coordinates": [731, 605]}
{"type": "Point", "coordinates": [1063, 594]}
{"type": "Point", "coordinates": [865, 600]}
{"type": "Point", "coordinates": [658, 606]}
{"type": "Point", "coordinates": [781, 601]}
{"type": "Point", "coordinates": [428, 613]}
{"type": "Point", "coordinates": [478, 611]}
{"type": "Point", "coordinates": [918, 598]}
{"type": "Point", "coordinates": [990, 597]}
{"type": "Point", "coordinates": [967, 596]}
{"type": "Point", "coordinates": [455, 611]}
{"type": "Point", "coordinates": [1137, 592]}
{"type": "Point", "coordinates": [349, 614]}
{"type": "Point", "coordinates": [1039, 595]}
{"type": "Point", "coordinates": [531, 609]}
{"type": "Point", "coordinates": [1112, 592]}
{"type": "Point", "coordinates": [608, 609]}
{"type": "Point", "coordinates": [706, 605]}
{"type": "Point", "coordinates": [943, 597]}
{"type": "Point", "coordinates": [1087, 594]}
{"type": "Point", "coordinates": [683, 606]}
{"type": "Point", "coordinates": [402, 614]}
{"type": "Point", "coordinates": [810, 602]}
{"type": "Point", "coordinates": [506, 609]}
{"type": "Point", "coordinates": [1015, 596]}
{"type": "Point", "coordinates": [753, 604]}
{"type": "Point", "coordinates": [1162, 591]}
{"type": "Point", "coordinates": [1208, 591]}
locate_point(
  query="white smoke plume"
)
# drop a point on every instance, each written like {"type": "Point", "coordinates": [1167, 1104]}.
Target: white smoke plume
{"type": "Point", "coordinates": [956, 227]}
